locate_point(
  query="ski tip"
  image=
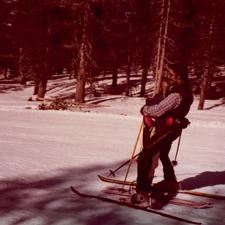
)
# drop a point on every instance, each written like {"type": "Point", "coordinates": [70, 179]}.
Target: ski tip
{"type": "Point", "coordinates": [102, 178]}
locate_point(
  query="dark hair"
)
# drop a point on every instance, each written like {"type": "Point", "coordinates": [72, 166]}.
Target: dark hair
{"type": "Point", "coordinates": [180, 70]}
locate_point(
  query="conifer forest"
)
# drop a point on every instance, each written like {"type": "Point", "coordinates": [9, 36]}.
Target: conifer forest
{"type": "Point", "coordinates": [91, 39]}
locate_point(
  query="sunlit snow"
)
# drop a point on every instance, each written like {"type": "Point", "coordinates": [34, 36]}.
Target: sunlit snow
{"type": "Point", "coordinates": [43, 153]}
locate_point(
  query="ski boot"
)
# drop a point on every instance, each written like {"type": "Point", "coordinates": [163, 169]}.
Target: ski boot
{"type": "Point", "coordinates": [162, 193]}
{"type": "Point", "coordinates": [141, 199]}
{"type": "Point", "coordinates": [166, 186]}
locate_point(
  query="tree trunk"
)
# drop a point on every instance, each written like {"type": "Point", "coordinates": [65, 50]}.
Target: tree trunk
{"type": "Point", "coordinates": [161, 59]}
{"type": "Point", "coordinates": [143, 81]}
{"type": "Point", "coordinates": [42, 88]}
{"type": "Point", "coordinates": [130, 56]}
{"type": "Point", "coordinates": [83, 62]}
{"type": "Point", "coordinates": [128, 76]}
{"type": "Point", "coordinates": [81, 76]}
{"type": "Point", "coordinates": [207, 69]}
{"type": "Point", "coordinates": [114, 80]}
{"type": "Point", "coordinates": [20, 67]}
{"type": "Point", "coordinates": [80, 91]}
{"type": "Point", "coordinates": [203, 88]}
{"type": "Point", "coordinates": [158, 56]}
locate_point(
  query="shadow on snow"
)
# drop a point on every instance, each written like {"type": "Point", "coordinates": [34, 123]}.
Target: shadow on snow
{"type": "Point", "coordinates": [49, 200]}
{"type": "Point", "coordinates": [208, 178]}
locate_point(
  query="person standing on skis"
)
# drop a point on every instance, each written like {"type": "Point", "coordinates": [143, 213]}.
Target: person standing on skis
{"type": "Point", "coordinates": [169, 116]}
{"type": "Point", "coordinates": [149, 126]}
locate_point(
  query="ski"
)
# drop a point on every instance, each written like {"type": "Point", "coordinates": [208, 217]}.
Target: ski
{"type": "Point", "coordinates": [133, 183]}
{"type": "Point", "coordinates": [116, 181]}
{"type": "Point", "coordinates": [202, 194]}
{"type": "Point", "coordinates": [163, 200]}
{"type": "Point", "coordinates": [130, 205]}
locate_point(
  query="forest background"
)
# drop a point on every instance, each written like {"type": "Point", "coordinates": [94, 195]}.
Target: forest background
{"type": "Point", "coordinates": [94, 39]}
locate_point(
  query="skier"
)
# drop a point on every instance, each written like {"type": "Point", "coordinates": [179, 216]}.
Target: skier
{"type": "Point", "coordinates": [149, 125]}
{"type": "Point", "coordinates": [170, 119]}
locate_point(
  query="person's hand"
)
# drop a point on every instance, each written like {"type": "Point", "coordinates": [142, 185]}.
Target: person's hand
{"type": "Point", "coordinates": [143, 110]}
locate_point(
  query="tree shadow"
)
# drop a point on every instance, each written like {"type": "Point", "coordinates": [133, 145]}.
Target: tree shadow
{"type": "Point", "coordinates": [216, 105]}
{"type": "Point", "coordinates": [49, 201]}
{"type": "Point", "coordinates": [103, 99]}
{"type": "Point", "coordinates": [11, 87]}
{"type": "Point", "coordinates": [208, 178]}
{"type": "Point", "coordinates": [58, 87]}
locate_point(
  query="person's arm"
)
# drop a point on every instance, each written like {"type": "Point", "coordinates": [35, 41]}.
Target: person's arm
{"type": "Point", "coordinates": [171, 102]}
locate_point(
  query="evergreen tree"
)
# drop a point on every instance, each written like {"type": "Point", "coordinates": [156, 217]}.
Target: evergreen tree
{"type": "Point", "coordinates": [208, 49]}
{"type": "Point", "coordinates": [7, 50]}
{"type": "Point", "coordinates": [41, 29]}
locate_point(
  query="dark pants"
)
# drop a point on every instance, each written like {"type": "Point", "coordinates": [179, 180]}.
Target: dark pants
{"type": "Point", "coordinates": [163, 147]}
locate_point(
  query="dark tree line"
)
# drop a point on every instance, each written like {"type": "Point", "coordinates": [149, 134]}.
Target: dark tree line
{"type": "Point", "coordinates": [88, 37]}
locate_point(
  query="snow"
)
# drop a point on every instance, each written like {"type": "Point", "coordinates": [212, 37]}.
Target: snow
{"type": "Point", "coordinates": [43, 153]}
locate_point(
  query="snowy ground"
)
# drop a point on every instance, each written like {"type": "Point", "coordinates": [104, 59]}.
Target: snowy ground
{"type": "Point", "coordinates": [43, 153]}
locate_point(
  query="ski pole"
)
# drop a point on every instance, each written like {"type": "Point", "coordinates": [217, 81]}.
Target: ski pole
{"type": "Point", "coordinates": [112, 172]}
{"type": "Point", "coordinates": [134, 149]}
{"type": "Point", "coordinates": [132, 154]}
{"type": "Point", "coordinates": [174, 162]}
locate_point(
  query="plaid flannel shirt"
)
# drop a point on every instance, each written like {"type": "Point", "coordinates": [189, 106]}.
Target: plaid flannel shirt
{"type": "Point", "coordinates": [171, 102]}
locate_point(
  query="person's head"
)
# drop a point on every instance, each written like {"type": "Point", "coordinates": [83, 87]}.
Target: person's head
{"type": "Point", "coordinates": [164, 83]}
{"type": "Point", "coordinates": [177, 73]}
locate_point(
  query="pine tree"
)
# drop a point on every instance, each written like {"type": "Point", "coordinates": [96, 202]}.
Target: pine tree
{"type": "Point", "coordinates": [42, 30]}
